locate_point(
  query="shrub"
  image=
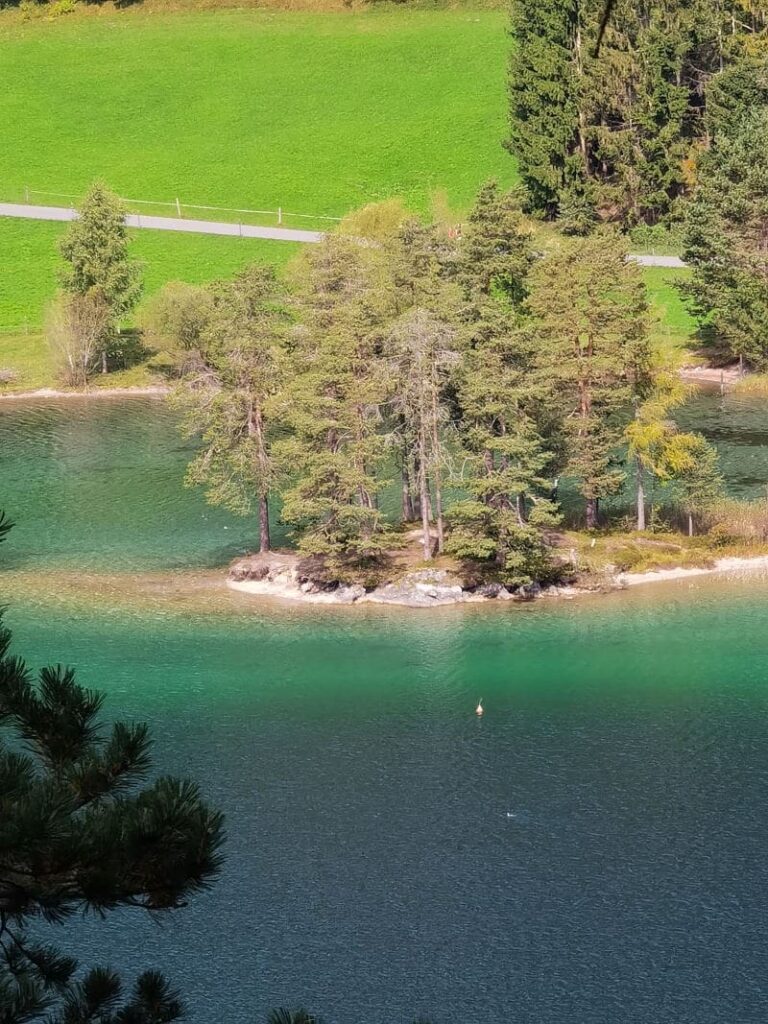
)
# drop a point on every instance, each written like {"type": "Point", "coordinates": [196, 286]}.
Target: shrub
{"type": "Point", "coordinates": [730, 520]}
{"type": "Point", "coordinates": [60, 7]}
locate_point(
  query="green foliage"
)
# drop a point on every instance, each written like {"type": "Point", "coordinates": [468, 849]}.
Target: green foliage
{"type": "Point", "coordinates": [724, 243]}
{"type": "Point", "coordinates": [499, 394]}
{"type": "Point", "coordinates": [693, 464]}
{"type": "Point", "coordinates": [79, 833]}
{"type": "Point", "coordinates": [95, 251]}
{"type": "Point", "coordinates": [283, 1016]}
{"type": "Point", "coordinates": [178, 315]}
{"type": "Point", "coordinates": [589, 326]}
{"type": "Point", "coordinates": [514, 552]}
{"type": "Point", "coordinates": [543, 100]}
{"type": "Point", "coordinates": [235, 335]}
{"type": "Point", "coordinates": [609, 136]}
{"type": "Point", "coordinates": [333, 404]}
{"type": "Point", "coordinates": [496, 247]}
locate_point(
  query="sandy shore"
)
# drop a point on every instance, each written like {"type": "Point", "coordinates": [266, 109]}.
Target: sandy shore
{"type": "Point", "coordinates": [143, 392]}
{"type": "Point", "coordinates": [733, 565]}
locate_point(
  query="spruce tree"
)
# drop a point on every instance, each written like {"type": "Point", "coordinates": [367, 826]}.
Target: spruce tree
{"type": "Point", "coordinates": [95, 250]}
{"type": "Point", "coordinates": [79, 832]}
{"type": "Point", "coordinates": [609, 133]}
{"type": "Point", "coordinates": [590, 327]}
{"type": "Point", "coordinates": [543, 98]}
{"type": "Point", "coordinates": [498, 392]}
{"type": "Point", "coordinates": [724, 243]}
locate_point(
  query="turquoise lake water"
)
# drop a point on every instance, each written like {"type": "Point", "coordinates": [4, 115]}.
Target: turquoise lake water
{"type": "Point", "coordinates": [591, 851]}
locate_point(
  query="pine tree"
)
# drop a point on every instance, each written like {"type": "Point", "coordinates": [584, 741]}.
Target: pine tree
{"type": "Point", "coordinates": [334, 406]}
{"type": "Point", "coordinates": [78, 833]}
{"type": "Point", "coordinates": [95, 249]}
{"type": "Point", "coordinates": [422, 353]}
{"type": "Point", "coordinates": [589, 324]}
{"type": "Point", "coordinates": [232, 393]}
{"type": "Point", "coordinates": [496, 250]}
{"type": "Point", "coordinates": [420, 262]}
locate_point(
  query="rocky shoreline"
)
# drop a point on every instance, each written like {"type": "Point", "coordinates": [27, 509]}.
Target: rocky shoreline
{"type": "Point", "coordinates": [279, 576]}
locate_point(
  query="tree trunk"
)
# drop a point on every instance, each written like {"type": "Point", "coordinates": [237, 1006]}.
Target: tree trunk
{"type": "Point", "coordinates": [592, 513]}
{"type": "Point", "coordinates": [640, 495]}
{"type": "Point", "coordinates": [104, 367]}
{"type": "Point", "coordinates": [264, 539]}
{"type": "Point", "coordinates": [520, 508]}
{"type": "Point", "coordinates": [426, 540]}
{"type": "Point", "coordinates": [256, 429]}
{"type": "Point", "coordinates": [690, 525]}
{"type": "Point", "coordinates": [436, 473]}
{"type": "Point", "coordinates": [409, 513]}
{"type": "Point", "coordinates": [582, 133]}
{"type": "Point", "coordinates": [426, 505]}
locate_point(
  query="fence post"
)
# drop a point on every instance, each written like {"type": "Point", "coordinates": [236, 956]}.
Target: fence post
{"type": "Point", "coordinates": [279, 215]}
{"type": "Point", "coordinates": [178, 206]}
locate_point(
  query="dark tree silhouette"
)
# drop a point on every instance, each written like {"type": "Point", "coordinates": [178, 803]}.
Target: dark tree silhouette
{"type": "Point", "coordinates": [79, 833]}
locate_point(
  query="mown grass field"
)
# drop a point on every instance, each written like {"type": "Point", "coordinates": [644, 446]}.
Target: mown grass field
{"type": "Point", "coordinates": [315, 113]}
{"type": "Point", "coordinates": [673, 326]}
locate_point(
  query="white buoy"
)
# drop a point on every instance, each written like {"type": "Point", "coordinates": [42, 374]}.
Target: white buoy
{"type": "Point", "coordinates": [479, 708]}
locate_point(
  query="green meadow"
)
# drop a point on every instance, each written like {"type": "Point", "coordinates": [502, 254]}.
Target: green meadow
{"type": "Point", "coordinates": [313, 113]}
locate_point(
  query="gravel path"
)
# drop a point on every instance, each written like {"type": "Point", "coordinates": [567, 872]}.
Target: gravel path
{"type": "Point", "coordinates": [211, 227]}
{"type": "Point", "coordinates": [139, 220]}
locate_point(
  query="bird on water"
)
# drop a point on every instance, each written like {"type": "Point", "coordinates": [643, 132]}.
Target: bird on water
{"type": "Point", "coordinates": [479, 709]}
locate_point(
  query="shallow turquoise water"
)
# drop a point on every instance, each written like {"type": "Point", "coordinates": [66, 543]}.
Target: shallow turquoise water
{"type": "Point", "coordinates": [592, 850]}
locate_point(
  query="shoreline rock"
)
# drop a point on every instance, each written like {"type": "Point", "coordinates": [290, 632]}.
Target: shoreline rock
{"type": "Point", "coordinates": [278, 576]}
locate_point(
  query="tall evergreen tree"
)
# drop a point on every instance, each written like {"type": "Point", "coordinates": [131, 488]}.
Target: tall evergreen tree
{"type": "Point", "coordinates": [498, 392]}
{"type": "Point", "coordinates": [589, 323]}
{"type": "Point", "coordinates": [725, 235]}
{"type": "Point", "coordinates": [95, 251]}
{"type": "Point", "coordinates": [543, 98]}
{"type": "Point", "coordinates": [334, 406]}
{"type": "Point", "coordinates": [609, 132]}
